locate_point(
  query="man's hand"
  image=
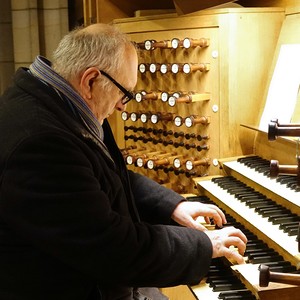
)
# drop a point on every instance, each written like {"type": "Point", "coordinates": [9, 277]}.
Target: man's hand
{"type": "Point", "coordinates": [186, 214]}
{"type": "Point", "coordinates": [222, 241]}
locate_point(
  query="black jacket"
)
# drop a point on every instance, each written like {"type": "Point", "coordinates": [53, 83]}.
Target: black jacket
{"type": "Point", "coordinates": [71, 221]}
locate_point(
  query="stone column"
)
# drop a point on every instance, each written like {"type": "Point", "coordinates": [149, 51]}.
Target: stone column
{"type": "Point", "coordinates": [38, 26]}
{"type": "Point", "coordinates": [6, 45]}
{"type": "Point", "coordinates": [25, 31]}
{"type": "Point", "coordinates": [54, 24]}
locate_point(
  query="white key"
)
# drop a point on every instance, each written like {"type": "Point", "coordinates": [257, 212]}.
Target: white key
{"type": "Point", "coordinates": [203, 291]}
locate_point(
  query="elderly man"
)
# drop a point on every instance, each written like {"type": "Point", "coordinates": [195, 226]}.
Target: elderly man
{"type": "Point", "coordinates": [75, 223]}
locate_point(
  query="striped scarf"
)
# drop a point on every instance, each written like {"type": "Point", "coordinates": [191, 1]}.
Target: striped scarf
{"type": "Point", "coordinates": [41, 68]}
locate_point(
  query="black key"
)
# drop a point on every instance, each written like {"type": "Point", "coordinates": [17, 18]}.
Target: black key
{"type": "Point", "coordinates": [287, 224]}
{"type": "Point", "coordinates": [243, 292]}
{"type": "Point", "coordinates": [265, 259]}
{"type": "Point", "coordinates": [272, 213]}
{"type": "Point", "coordinates": [253, 202]}
{"type": "Point", "coordinates": [224, 281]}
{"type": "Point", "coordinates": [258, 245]}
{"type": "Point", "coordinates": [228, 286]}
{"type": "Point", "coordinates": [263, 204]}
{"type": "Point", "coordinates": [261, 253]}
{"type": "Point", "coordinates": [283, 269]}
{"type": "Point", "coordinates": [283, 218]}
{"type": "Point", "coordinates": [246, 297]}
{"type": "Point", "coordinates": [293, 232]}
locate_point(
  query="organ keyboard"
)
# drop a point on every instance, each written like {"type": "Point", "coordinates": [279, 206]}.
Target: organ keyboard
{"type": "Point", "coordinates": [255, 171]}
{"type": "Point", "coordinates": [267, 210]}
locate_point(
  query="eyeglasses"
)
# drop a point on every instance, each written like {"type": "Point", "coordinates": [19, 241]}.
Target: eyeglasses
{"type": "Point", "coordinates": [127, 94]}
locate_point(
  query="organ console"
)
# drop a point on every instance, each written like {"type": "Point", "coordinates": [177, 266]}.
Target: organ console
{"type": "Point", "coordinates": [234, 170]}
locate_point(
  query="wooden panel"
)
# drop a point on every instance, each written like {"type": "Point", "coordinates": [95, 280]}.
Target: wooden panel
{"type": "Point", "coordinates": [109, 10]}
{"type": "Point", "coordinates": [178, 293]}
{"type": "Point", "coordinates": [283, 149]}
{"type": "Point", "coordinates": [89, 12]}
{"type": "Point", "coordinates": [188, 6]}
{"type": "Point", "coordinates": [240, 52]}
{"type": "Point", "coordinates": [289, 28]}
{"type": "Point", "coordinates": [130, 6]}
{"type": "Point", "coordinates": [101, 11]}
{"type": "Point", "coordinates": [265, 3]}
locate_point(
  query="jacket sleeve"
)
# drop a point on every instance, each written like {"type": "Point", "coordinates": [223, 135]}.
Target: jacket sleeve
{"type": "Point", "coordinates": [56, 197]}
{"type": "Point", "coordinates": [155, 203]}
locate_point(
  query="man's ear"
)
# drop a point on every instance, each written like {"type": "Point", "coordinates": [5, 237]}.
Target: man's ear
{"type": "Point", "coordinates": [87, 82]}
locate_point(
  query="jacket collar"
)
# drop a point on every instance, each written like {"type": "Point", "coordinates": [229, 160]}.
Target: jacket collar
{"type": "Point", "coordinates": [52, 100]}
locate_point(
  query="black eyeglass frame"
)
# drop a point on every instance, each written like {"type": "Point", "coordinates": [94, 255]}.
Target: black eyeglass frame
{"type": "Point", "coordinates": [127, 94]}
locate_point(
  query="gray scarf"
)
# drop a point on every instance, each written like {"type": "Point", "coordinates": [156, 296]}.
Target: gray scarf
{"type": "Point", "coordinates": [41, 68]}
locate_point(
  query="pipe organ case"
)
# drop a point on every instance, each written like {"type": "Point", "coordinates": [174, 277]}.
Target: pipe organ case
{"type": "Point", "coordinates": [199, 77]}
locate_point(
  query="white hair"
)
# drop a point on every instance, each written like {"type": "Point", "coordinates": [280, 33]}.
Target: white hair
{"type": "Point", "coordinates": [99, 45]}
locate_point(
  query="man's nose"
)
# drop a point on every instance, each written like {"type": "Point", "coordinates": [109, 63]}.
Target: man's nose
{"type": "Point", "coordinates": [119, 106]}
